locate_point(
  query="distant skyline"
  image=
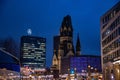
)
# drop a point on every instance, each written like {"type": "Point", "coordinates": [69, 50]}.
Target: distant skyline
{"type": "Point", "coordinates": [44, 18]}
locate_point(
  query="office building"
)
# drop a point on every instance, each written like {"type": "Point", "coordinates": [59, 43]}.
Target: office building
{"type": "Point", "coordinates": [33, 52]}
{"type": "Point", "coordinates": [110, 43]}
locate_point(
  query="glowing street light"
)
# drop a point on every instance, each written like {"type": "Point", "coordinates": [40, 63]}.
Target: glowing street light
{"type": "Point", "coordinates": [68, 74]}
{"type": "Point", "coordinates": [30, 76]}
{"type": "Point", "coordinates": [75, 73]}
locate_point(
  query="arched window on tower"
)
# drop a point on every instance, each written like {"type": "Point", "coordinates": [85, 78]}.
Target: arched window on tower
{"type": "Point", "coordinates": [69, 46]}
{"type": "Point", "coordinates": [69, 29]}
{"type": "Point", "coordinates": [65, 28]}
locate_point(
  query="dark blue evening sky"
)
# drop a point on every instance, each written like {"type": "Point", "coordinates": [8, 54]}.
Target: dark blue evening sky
{"type": "Point", "coordinates": [44, 17]}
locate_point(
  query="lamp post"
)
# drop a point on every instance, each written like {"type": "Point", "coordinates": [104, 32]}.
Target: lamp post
{"type": "Point", "coordinates": [52, 73]}
{"type": "Point", "coordinates": [96, 75]}
{"type": "Point", "coordinates": [89, 67]}
{"type": "Point", "coordinates": [75, 73]}
{"type": "Point", "coordinates": [30, 76]}
{"type": "Point", "coordinates": [68, 74]}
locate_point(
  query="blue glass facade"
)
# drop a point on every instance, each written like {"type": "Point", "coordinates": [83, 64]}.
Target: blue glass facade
{"type": "Point", "coordinates": [9, 62]}
{"type": "Point", "coordinates": [82, 62]}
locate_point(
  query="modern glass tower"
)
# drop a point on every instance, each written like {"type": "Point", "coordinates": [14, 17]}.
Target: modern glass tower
{"type": "Point", "coordinates": [33, 52]}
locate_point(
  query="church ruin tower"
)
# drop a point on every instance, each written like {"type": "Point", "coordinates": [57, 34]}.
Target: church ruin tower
{"type": "Point", "coordinates": [63, 44]}
{"type": "Point", "coordinates": [78, 46]}
{"type": "Point", "coordinates": [66, 37]}
{"type": "Point", "coordinates": [66, 27]}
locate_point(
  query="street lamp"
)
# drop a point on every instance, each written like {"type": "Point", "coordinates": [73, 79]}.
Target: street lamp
{"type": "Point", "coordinates": [30, 76]}
{"type": "Point", "coordinates": [52, 73]}
{"type": "Point", "coordinates": [68, 74]}
{"type": "Point", "coordinates": [96, 74]}
{"type": "Point", "coordinates": [89, 67]}
{"type": "Point", "coordinates": [75, 73]}
{"type": "Point", "coordinates": [95, 69]}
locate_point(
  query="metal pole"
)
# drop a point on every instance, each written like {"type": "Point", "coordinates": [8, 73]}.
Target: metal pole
{"type": "Point", "coordinates": [119, 70]}
{"type": "Point", "coordinates": [68, 74]}
{"type": "Point", "coordinates": [89, 70]}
